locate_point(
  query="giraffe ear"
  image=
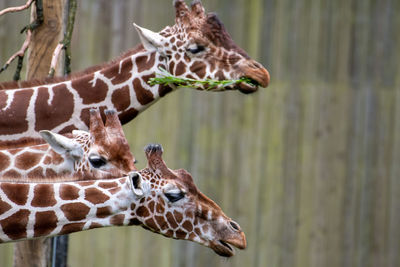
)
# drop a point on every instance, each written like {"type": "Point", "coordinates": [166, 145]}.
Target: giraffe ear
{"type": "Point", "coordinates": [138, 185]}
{"type": "Point", "coordinates": [63, 145]}
{"type": "Point", "coordinates": [151, 40]}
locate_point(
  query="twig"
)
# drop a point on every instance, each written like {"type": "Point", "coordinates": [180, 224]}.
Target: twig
{"type": "Point", "coordinates": [29, 28]}
{"type": "Point", "coordinates": [39, 17]}
{"type": "Point", "coordinates": [65, 43]}
{"type": "Point", "coordinates": [17, 74]}
{"type": "Point", "coordinates": [54, 59]}
{"type": "Point", "coordinates": [16, 8]}
{"type": "Point", "coordinates": [68, 35]}
{"type": "Point", "coordinates": [20, 53]}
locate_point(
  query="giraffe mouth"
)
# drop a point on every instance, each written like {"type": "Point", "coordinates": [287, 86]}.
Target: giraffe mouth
{"type": "Point", "coordinates": [248, 87]}
{"type": "Point", "coordinates": [225, 248]}
{"type": "Point", "coordinates": [257, 75]}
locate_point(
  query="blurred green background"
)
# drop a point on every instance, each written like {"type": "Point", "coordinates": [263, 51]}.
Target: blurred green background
{"type": "Point", "coordinates": [309, 167]}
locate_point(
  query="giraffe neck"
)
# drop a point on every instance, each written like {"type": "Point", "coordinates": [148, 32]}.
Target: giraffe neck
{"type": "Point", "coordinates": [41, 161]}
{"type": "Point", "coordinates": [30, 210]}
{"type": "Point", "coordinates": [64, 105]}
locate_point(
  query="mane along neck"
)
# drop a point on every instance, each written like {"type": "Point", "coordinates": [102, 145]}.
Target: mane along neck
{"type": "Point", "coordinates": [52, 80]}
{"type": "Point", "coordinates": [62, 104]}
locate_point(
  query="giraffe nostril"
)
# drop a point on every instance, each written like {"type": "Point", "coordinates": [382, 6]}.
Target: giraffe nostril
{"type": "Point", "coordinates": [256, 65]}
{"type": "Point", "coordinates": [235, 225]}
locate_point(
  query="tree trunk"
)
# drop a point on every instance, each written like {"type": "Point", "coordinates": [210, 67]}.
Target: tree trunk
{"type": "Point", "coordinates": [45, 38]}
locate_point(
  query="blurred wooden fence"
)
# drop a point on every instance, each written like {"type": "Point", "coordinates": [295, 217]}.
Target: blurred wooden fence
{"type": "Point", "coordinates": [309, 167]}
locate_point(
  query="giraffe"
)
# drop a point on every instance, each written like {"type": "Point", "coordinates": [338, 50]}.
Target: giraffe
{"type": "Point", "coordinates": [196, 46]}
{"type": "Point", "coordinates": [101, 153]}
{"type": "Point", "coordinates": [157, 198]}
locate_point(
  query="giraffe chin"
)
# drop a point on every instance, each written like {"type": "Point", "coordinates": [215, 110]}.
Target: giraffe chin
{"type": "Point", "coordinates": [223, 249]}
{"type": "Point", "coordinates": [246, 88]}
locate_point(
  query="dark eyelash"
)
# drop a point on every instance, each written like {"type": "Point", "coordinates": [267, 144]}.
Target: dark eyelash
{"type": "Point", "coordinates": [196, 50]}
{"type": "Point", "coordinates": [97, 162]}
{"type": "Point", "coordinates": [173, 197]}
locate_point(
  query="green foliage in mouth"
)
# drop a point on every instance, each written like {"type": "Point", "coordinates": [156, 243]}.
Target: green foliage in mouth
{"type": "Point", "coordinates": [166, 78]}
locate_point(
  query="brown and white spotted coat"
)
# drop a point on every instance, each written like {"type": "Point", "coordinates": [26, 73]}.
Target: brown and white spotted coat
{"type": "Point", "coordinates": [197, 46]}
{"type": "Point", "coordinates": [101, 153]}
{"type": "Point", "coordinates": [157, 198]}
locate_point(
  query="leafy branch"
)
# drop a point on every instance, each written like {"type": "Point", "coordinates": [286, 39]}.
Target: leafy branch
{"type": "Point", "coordinates": [166, 78]}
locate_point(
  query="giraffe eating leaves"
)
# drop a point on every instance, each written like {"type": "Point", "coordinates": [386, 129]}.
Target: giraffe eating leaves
{"type": "Point", "coordinates": [197, 46]}
{"type": "Point", "coordinates": [157, 198]}
{"type": "Point", "coordinates": [101, 153]}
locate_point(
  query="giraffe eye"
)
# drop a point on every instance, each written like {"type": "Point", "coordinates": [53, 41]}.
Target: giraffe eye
{"type": "Point", "coordinates": [97, 161]}
{"type": "Point", "coordinates": [196, 49]}
{"type": "Point", "coordinates": [174, 196]}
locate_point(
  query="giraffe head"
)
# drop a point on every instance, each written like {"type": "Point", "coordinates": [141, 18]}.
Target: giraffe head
{"type": "Point", "coordinates": [103, 152]}
{"type": "Point", "coordinates": [199, 47]}
{"type": "Point", "coordinates": [172, 205]}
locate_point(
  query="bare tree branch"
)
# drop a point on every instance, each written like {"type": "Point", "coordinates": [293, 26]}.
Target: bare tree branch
{"type": "Point", "coordinates": [54, 59]}
{"type": "Point", "coordinates": [39, 17]}
{"type": "Point", "coordinates": [29, 28]}
{"type": "Point", "coordinates": [20, 53]}
{"type": "Point", "coordinates": [17, 8]}
{"type": "Point", "coordinates": [65, 43]}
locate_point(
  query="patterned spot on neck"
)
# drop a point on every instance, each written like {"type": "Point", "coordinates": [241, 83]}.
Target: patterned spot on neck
{"type": "Point", "coordinates": [75, 211]}
{"type": "Point", "coordinates": [121, 98]}
{"type": "Point", "coordinates": [69, 192]}
{"type": "Point", "coordinates": [71, 228]}
{"type": "Point", "coordinates": [117, 219]}
{"type": "Point", "coordinates": [199, 68]}
{"type": "Point", "coordinates": [113, 72]}
{"type": "Point", "coordinates": [178, 216]}
{"type": "Point", "coordinates": [180, 68]}
{"type": "Point", "coordinates": [91, 91]}
{"type": "Point", "coordinates": [142, 95]}
{"type": "Point", "coordinates": [103, 212]}
{"type": "Point", "coordinates": [37, 172]}
{"type": "Point", "coordinates": [18, 194]}
{"type": "Point", "coordinates": [145, 62]}
{"type": "Point", "coordinates": [95, 196]}
{"type": "Point", "coordinates": [11, 174]}
{"type": "Point", "coordinates": [45, 223]}
{"type": "Point", "coordinates": [58, 111]}
{"type": "Point", "coordinates": [161, 222]}
{"type": "Point", "coordinates": [27, 160]}
{"type": "Point", "coordinates": [15, 225]}
{"type": "Point", "coordinates": [4, 206]}
{"type": "Point", "coordinates": [187, 225]}
{"type": "Point", "coordinates": [17, 110]}
{"type": "Point", "coordinates": [43, 196]}
{"type": "Point", "coordinates": [128, 115]}
{"type": "Point", "coordinates": [108, 185]}
{"type": "Point", "coordinates": [151, 224]}
{"type": "Point", "coordinates": [4, 161]}
{"type": "Point", "coordinates": [142, 212]}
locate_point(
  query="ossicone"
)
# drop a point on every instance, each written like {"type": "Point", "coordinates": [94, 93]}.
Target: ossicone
{"type": "Point", "coordinates": [96, 126]}
{"type": "Point", "coordinates": [154, 159]}
{"type": "Point", "coordinates": [181, 12]}
{"type": "Point", "coordinates": [113, 125]}
{"type": "Point", "coordinates": [197, 8]}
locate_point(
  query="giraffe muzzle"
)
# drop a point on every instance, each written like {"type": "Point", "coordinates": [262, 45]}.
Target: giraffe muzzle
{"type": "Point", "coordinates": [225, 247]}
{"type": "Point", "coordinates": [257, 73]}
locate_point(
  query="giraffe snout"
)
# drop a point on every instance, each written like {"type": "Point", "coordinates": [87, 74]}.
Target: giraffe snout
{"type": "Point", "coordinates": [257, 72]}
